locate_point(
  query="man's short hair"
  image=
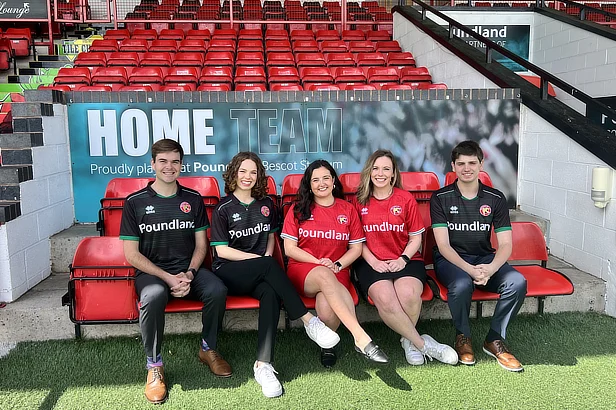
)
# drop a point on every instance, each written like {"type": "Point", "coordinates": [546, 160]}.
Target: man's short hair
{"type": "Point", "coordinates": [468, 148]}
{"type": "Point", "coordinates": [166, 145]}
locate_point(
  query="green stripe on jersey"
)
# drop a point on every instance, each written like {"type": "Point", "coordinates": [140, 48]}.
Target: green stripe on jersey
{"type": "Point", "coordinates": [439, 225]}
{"type": "Point", "coordinates": [203, 228]}
{"type": "Point", "coordinates": [129, 238]}
{"type": "Point", "coordinates": [219, 243]}
{"type": "Point", "coordinates": [504, 228]}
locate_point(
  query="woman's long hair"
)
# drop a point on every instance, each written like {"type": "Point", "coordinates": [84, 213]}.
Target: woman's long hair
{"type": "Point", "coordinates": [364, 190]}
{"type": "Point", "coordinates": [259, 191]}
{"type": "Point", "coordinates": [305, 197]}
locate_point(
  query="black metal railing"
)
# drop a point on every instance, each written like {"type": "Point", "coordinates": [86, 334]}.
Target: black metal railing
{"type": "Point", "coordinates": [490, 47]}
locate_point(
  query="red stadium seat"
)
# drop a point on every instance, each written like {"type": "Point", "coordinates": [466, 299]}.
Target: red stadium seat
{"type": "Point", "coordinates": [321, 87]}
{"type": "Point", "coordinates": [414, 75]}
{"type": "Point", "coordinates": [181, 75]}
{"type": "Point", "coordinates": [350, 181]}
{"type": "Point", "coordinates": [188, 59]}
{"type": "Point", "coordinates": [421, 185]}
{"type": "Point", "coordinates": [146, 88]}
{"type": "Point", "coordinates": [290, 185]}
{"type": "Point", "coordinates": [192, 45]}
{"type": "Point", "coordinates": [179, 87]}
{"type": "Point", "coordinates": [110, 75]}
{"type": "Point", "coordinates": [280, 60]}
{"type": "Point", "coordinates": [250, 75]}
{"type": "Point", "coordinates": [225, 33]}
{"type": "Point", "coordinates": [97, 87]}
{"type": "Point", "coordinates": [249, 58]}
{"type": "Point", "coordinates": [379, 35]}
{"type": "Point", "coordinates": [361, 47]}
{"type": "Point", "coordinates": [388, 47]}
{"type": "Point", "coordinates": [276, 34]}
{"type": "Point", "coordinates": [430, 86]}
{"type": "Point", "coordinates": [118, 34]}
{"type": "Point", "coordinates": [124, 59]}
{"type": "Point", "coordinates": [340, 60]}
{"type": "Point", "coordinates": [333, 46]}
{"type": "Point", "coordinates": [145, 34]}
{"type": "Point", "coordinates": [72, 77]}
{"type": "Point", "coordinates": [302, 35]}
{"type": "Point", "coordinates": [250, 45]}
{"type": "Point", "coordinates": [214, 87]}
{"type": "Point", "coordinates": [91, 59]}
{"type": "Point", "coordinates": [139, 45]}
{"type": "Point", "coordinates": [204, 35]}
{"type": "Point", "coordinates": [6, 53]}
{"type": "Point", "coordinates": [485, 179]}
{"type": "Point", "coordinates": [356, 86]}
{"type": "Point", "coordinates": [382, 75]}
{"type": "Point", "coordinates": [343, 75]}
{"type": "Point", "coordinates": [169, 46]}
{"type": "Point", "coordinates": [393, 86]}
{"type": "Point", "coordinates": [353, 35]}
{"type": "Point", "coordinates": [400, 60]}
{"type": "Point", "coordinates": [323, 35]}
{"type": "Point", "coordinates": [251, 87]}
{"type": "Point", "coordinates": [370, 60]}
{"type": "Point", "coordinates": [104, 46]}
{"type": "Point", "coordinates": [283, 75]}
{"type": "Point", "coordinates": [160, 59]}
{"type": "Point", "coordinates": [250, 34]}
{"type": "Point", "coordinates": [310, 60]}
{"type": "Point", "coordinates": [146, 75]}
{"type": "Point", "coordinates": [216, 75]}
{"type": "Point", "coordinates": [219, 58]}
{"type": "Point", "coordinates": [319, 75]}
{"type": "Point", "coordinates": [171, 34]}
{"type": "Point", "coordinates": [222, 45]}
{"type": "Point", "coordinates": [286, 87]}
{"type": "Point", "coordinates": [21, 40]}
{"type": "Point", "coordinates": [305, 46]}
{"type": "Point", "coordinates": [277, 46]}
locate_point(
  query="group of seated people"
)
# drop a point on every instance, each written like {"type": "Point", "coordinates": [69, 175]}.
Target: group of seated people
{"type": "Point", "coordinates": [378, 234]}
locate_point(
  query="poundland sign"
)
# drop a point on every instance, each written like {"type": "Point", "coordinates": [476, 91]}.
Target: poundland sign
{"type": "Point", "coordinates": [23, 10]}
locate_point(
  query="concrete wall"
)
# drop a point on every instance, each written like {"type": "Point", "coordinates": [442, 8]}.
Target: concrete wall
{"type": "Point", "coordinates": [46, 208]}
{"type": "Point", "coordinates": [554, 183]}
{"type": "Point", "coordinates": [445, 67]}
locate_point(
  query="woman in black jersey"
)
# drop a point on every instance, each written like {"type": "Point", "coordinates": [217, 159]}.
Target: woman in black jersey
{"type": "Point", "coordinates": [243, 238]}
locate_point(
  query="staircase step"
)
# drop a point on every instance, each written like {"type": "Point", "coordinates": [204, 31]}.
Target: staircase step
{"type": "Point", "coordinates": [21, 140]}
{"type": "Point", "coordinates": [9, 210]}
{"type": "Point", "coordinates": [14, 174]}
{"type": "Point", "coordinates": [9, 192]}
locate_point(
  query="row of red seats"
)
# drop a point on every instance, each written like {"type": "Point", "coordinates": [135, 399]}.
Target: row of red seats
{"type": "Point", "coordinates": [244, 58]}
{"type": "Point", "coordinates": [378, 76]}
{"type": "Point", "coordinates": [227, 45]}
{"type": "Point", "coordinates": [190, 58]}
{"type": "Point", "coordinates": [247, 34]}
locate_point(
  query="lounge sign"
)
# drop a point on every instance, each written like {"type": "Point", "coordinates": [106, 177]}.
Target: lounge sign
{"type": "Point", "coordinates": [23, 10]}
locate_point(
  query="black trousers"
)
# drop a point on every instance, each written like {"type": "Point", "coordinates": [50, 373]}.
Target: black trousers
{"type": "Point", "coordinates": [153, 297]}
{"type": "Point", "coordinates": [263, 279]}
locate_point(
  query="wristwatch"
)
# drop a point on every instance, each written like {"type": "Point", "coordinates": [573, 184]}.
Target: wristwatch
{"type": "Point", "coordinates": [338, 264]}
{"type": "Point", "coordinates": [405, 258]}
{"type": "Point", "coordinates": [193, 271]}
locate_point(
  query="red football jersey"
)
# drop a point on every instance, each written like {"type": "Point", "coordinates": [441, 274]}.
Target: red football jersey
{"type": "Point", "coordinates": [328, 232]}
{"type": "Point", "coordinates": [388, 223]}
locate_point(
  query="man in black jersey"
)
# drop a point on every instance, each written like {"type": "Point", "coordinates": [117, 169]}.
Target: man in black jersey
{"type": "Point", "coordinates": [463, 215]}
{"type": "Point", "coordinates": [164, 232]}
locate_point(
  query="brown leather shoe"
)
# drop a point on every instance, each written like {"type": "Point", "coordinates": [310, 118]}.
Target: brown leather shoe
{"type": "Point", "coordinates": [499, 351]}
{"type": "Point", "coordinates": [155, 387]}
{"type": "Point", "coordinates": [464, 348]}
{"type": "Point", "coordinates": [217, 364]}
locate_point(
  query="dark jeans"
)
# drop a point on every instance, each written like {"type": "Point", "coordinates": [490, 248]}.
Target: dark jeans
{"type": "Point", "coordinates": [263, 279]}
{"type": "Point", "coordinates": [153, 297]}
{"type": "Point", "coordinates": [507, 282]}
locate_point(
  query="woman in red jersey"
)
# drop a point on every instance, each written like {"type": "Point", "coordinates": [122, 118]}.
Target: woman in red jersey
{"type": "Point", "coordinates": [322, 238]}
{"type": "Point", "coordinates": [391, 270]}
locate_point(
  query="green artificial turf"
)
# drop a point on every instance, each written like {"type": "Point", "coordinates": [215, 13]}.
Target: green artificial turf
{"type": "Point", "coordinates": [569, 359]}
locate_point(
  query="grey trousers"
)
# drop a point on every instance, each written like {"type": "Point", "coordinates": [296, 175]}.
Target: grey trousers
{"type": "Point", "coordinates": [153, 297]}
{"type": "Point", "coordinates": [507, 282]}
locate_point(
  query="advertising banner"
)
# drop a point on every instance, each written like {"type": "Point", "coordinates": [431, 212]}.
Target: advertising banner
{"type": "Point", "coordinates": [515, 38]}
{"type": "Point", "coordinates": [114, 140]}
{"type": "Point", "coordinates": [23, 10]}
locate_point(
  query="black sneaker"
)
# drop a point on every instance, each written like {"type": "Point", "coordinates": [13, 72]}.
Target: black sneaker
{"type": "Point", "coordinates": [328, 357]}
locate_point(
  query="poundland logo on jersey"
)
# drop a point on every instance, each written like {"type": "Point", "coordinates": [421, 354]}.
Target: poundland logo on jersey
{"type": "Point", "coordinates": [253, 230]}
{"type": "Point", "coordinates": [331, 234]}
{"type": "Point", "coordinates": [475, 226]}
{"type": "Point", "coordinates": [166, 226]}
{"type": "Point", "coordinates": [384, 227]}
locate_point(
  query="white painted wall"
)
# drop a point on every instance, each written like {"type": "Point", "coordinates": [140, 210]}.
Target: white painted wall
{"type": "Point", "coordinates": [445, 67]}
{"type": "Point", "coordinates": [554, 178]}
{"type": "Point", "coordinates": [46, 209]}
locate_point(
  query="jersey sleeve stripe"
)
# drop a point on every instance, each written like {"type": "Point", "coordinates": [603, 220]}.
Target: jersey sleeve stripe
{"type": "Point", "coordinates": [439, 225]}
{"type": "Point", "coordinates": [287, 236]}
{"type": "Point", "coordinates": [502, 229]}
{"type": "Point", "coordinates": [354, 241]}
{"type": "Point", "coordinates": [129, 238]}
{"type": "Point", "coordinates": [275, 229]}
{"type": "Point", "coordinates": [419, 232]}
{"type": "Point", "coordinates": [203, 228]}
{"type": "Point", "coordinates": [219, 243]}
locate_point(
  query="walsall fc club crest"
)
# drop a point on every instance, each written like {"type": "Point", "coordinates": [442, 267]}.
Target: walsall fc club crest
{"type": "Point", "coordinates": [485, 210]}
{"type": "Point", "coordinates": [395, 210]}
{"type": "Point", "coordinates": [265, 211]}
{"type": "Point", "coordinates": [343, 219]}
{"type": "Point", "coordinates": [185, 207]}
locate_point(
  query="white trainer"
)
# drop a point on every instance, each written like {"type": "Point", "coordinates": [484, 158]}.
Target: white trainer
{"type": "Point", "coordinates": [441, 352]}
{"type": "Point", "coordinates": [266, 377]}
{"type": "Point", "coordinates": [412, 353]}
{"type": "Point", "coordinates": [321, 334]}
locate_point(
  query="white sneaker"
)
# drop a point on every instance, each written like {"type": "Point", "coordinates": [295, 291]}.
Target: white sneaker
{"type": "Point", "coordinates": [412, 353]}
{"type": "Point", "coordinates": [441, 352]}
{"type": "Point", "coordinates": [264, 375]}
{"type": "Point", "coordinates": [321, 334]}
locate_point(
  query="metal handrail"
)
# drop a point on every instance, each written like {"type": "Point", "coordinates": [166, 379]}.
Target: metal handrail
{"type": "Point", "coordinates": [490, 46]}
{"type": "Point", "coordinates": [582, 7]}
